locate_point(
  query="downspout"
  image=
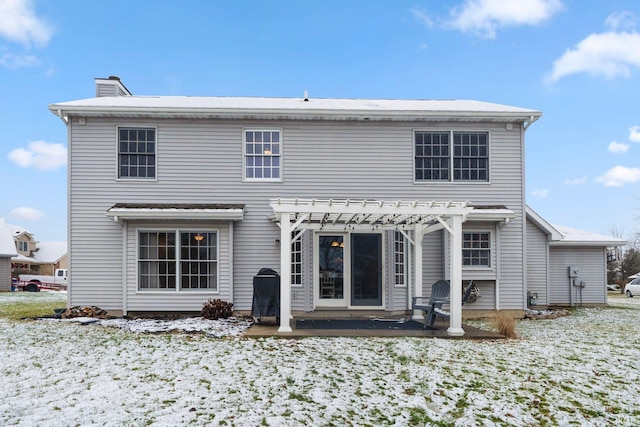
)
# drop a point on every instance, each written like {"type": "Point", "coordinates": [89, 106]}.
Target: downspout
{"type": "Point", "coordinates": [523, 220]}
{"type": "Point", "coordinates": [69, 247]}
{"type": "Point", "coordinates": [65, 119]}
{"type": "Point", "coordinates": [498, 267]}
{"type": "Point", "coordinates": [125, 232]}
{"type": "Point", "coordinates": [231, 267]}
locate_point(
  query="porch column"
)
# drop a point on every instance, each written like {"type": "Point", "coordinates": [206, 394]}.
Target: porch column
{"type": "Point", "coordinates": [418, 236]}
{"type": "Point", "coordinates": [285, 272]}
{"type": "Point", "coordinates": [455, 307]}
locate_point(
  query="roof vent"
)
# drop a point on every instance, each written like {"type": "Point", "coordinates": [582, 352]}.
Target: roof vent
{"type": "Point", "coordinates": [306, 96]}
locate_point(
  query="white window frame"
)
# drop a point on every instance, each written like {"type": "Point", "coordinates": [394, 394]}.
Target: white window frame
{"type": "Point", "coordinates": [296, 262]}
{"type": "Point", "coordinates": [399, 259]}
{"type": "Point", "coordinates": [489, 249]}
{"type": "Point", "coordinates": [23, 246]}
{"type": "Point", "coordinates": [119, 177]}
{"type": "Point", "coordinates": [451, 157]}
{"type": "Point", "coordinates": [270, 155]}
{"type": "Point", "coordinates": [178, 273]}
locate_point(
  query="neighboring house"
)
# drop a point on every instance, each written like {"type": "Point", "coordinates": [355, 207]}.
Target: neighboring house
{"type": "Point", "coordinates": [7, 251]}
{"type": "Point", "coordinates": [36, 257]}
{"type": "Point", "coordinates": [565, 266]}
{"type": "Point", "coordinates": [359, 204]}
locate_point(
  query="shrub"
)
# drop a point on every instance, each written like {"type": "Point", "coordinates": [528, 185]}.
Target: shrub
{"type": "Point", "coordinates": [505, 325]}
{"type": "Point", "coordinates": [217, 309]}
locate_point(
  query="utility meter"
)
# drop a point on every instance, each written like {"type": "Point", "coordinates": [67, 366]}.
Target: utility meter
{"type": "Point", "coordinates": [573, 271]}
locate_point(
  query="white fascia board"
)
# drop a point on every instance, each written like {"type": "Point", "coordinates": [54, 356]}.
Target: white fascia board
{"type": "Point", "coordinates": [175, 214]}
{"type": "Point", "coordinates": [293, 114]}
{"type": "Point", "coordinates": [592, 243]}
{"type": "Point", "coordinates": [542, 223]}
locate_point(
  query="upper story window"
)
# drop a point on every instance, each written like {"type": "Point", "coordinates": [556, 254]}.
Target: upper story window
{"type": "Point", "coordinates": [262, 155]}
{"type": "Point", "coordinates": [451, 156]}
{"type": "Point", "coordinates": [136, 152]}
{"type": "Point", "coordinates": [476, 249]}
{"type": "Point", "coordinates": [23, 246]}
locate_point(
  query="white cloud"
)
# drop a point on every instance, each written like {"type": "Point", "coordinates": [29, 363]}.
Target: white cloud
{"type": "Point", "coordinates": [619, 176]}
{"type": "Point", "coordinates": [9, 60]}
{"type": "Point", "coordinates": [576, 181]}
{"type": "Point", "coordinates": [485, 17]}
{"type": "Point", "coordinates": [624, 19]}
{"type": "Point", "coordinates": [25, 214]}
{"type": "Point", "coordinates": [19, 23]}
{"type": "Point", "coordinates": [540, 194]}
{"type": "Point", "coordinates": [609, 54]}
{"type": "Point", "coordinates": [421, 15]}
{"type": "Point", "coordinates": [40, 155]}
{"type": "Point", "coordinates": [618, 147]}
{"type": "Point", "coordinates": [634, 134]}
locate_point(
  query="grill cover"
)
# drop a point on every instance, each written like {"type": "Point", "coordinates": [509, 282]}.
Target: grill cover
{"type": "Point", "coordinates": [266, 294]}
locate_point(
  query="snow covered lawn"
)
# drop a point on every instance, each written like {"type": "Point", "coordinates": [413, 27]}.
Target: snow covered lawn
{"type": "Point", "coordinates": [581, 369]}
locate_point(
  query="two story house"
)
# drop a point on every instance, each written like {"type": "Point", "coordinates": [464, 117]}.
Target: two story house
{"type": "Point", "coordinates": [359, 204]}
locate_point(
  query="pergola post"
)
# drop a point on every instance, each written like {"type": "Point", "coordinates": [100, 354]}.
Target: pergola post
{"type": "Point", "coordinates": [418, 236]}
{"type": "Point", "coordinates": [455, 307]}
{"type": "Point", "coordinates": [285, 272]}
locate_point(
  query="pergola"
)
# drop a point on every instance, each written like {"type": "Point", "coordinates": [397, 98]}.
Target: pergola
{"type": "Point", "coordinates": [295, 216]}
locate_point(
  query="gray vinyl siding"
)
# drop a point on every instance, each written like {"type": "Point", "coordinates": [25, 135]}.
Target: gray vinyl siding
{"type": "Point", "coordinates": [5, 274]}
{"type": "Point", "coordinates": [537, 262]}
{"type": "Point", "coordinates": [591, 261]}
{"type": "Point", "coordinates": [200, 161]}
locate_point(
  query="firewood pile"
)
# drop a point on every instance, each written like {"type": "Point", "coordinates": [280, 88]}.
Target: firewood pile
{"type": "Point", "coordinates": [89, 311]}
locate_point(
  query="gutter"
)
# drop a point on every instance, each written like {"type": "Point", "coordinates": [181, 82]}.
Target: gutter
{"type": "Point", "coordinates": [58, 112]}
{"type": "Point", "coordinates": [299, 114]}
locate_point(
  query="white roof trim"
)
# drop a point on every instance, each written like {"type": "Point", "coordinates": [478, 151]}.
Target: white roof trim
{"type": "Point", "coordinates": [294, 108]}
{"type": "Point", "coordinates": [575, 237]}
{"type": "Point", "coordinates": [174, 213]}
{"type": "Point", "coordinates": [543, 224]}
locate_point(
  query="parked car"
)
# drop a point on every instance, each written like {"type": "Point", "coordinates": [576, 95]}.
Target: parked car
{"type": "Point", "coordinates": [613, 287]}
{"type": "Point", "coordinates": [632, 288]}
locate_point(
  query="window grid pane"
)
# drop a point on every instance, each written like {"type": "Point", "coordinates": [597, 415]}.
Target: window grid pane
{"type": "Point", "coordinates": [432, 156]}
{"type": "Point", "coordinates": [198, 261]}
{"type": "Point", "coordinates": [156, 265]}
{"type": "Point", "coordinates": [296, 261]}
{"type": "Point", "coordinates": [470, 156]}
{"type": "Point", "coordinates": [158, 259]}
{"type": "Point", "coordinates": [399, 256]}
{"type": "Point", "coordinates": [476, 249]}
{"type": "Point", "coordinates": [262, 154]}
{"type": "Point", "coordinates": [136, 153]}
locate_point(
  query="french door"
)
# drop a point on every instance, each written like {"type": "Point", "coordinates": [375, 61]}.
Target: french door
{"type": "Point", "coordinates": [348, 270]}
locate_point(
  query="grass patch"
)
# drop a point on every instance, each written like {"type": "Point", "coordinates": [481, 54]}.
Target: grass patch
{"type": "Point", "coordinates": [20, 305]}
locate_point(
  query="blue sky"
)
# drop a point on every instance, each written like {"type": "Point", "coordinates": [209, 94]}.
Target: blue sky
{"type": "Point", "coordinates": [578, 61]}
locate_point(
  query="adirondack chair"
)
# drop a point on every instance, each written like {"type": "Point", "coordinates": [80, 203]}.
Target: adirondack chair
{"type": "Point", "coordinates": [439, 295]}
